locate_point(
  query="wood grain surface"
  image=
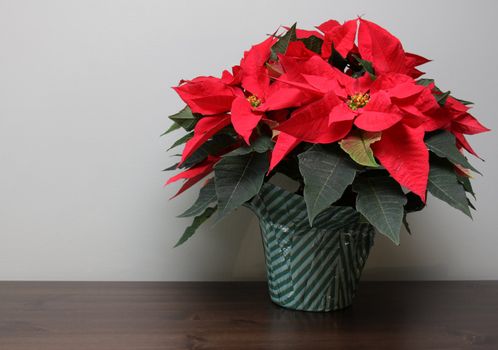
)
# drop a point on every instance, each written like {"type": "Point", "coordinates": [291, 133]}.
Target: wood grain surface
{"type": "Point", "coordinates": [239, 315]}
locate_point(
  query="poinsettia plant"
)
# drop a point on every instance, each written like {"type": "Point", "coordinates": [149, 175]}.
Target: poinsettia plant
{"type": "Point", "coordinates": [343, 111]}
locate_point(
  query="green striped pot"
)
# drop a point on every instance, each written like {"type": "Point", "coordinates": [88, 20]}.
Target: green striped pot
{"type": "Point", "coordinates": [310, 268]}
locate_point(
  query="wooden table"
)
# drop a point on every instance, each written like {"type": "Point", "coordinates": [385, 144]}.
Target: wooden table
{"type": "Point", "coordinates": [196, 315]}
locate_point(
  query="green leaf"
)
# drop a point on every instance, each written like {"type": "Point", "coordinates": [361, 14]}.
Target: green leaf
{"type": "Point", "coordinates": [326, 173]}
{"type": "Point", "coordinates": [182, 140]}
{"type": "Point", "coordinates": [260, 145]}
{"type": "Point", "coordinates": [470, 204]}
{"type": "Point", "coordinates": [281, 45]}
{"type": "Point", "coordinates": [443, 144]}
{"type": "Point", "coordinates": [198, 156]}
{"type": "Point", "coordinates": [441, 98]}
{"type": "Point", "coordinates": [173, 127]}
{"type": "Point", "coordinates": [238, 179]}
{"type": "Point", "coordinates": [171, 167]}
{"type": "Point", "coordinates": [438, 95]}
{"type": "Point", "coordinates": [313, 43]}
{"type": "Point", "coordinates": [425, 82]}
{"type": "Point", "coordinates": [207, 195]}
{"type": "Point", "coordinates": [465, 181]}
{"type": "Point", "coordinates": [443, 184]}
{"type": "Point", "coordinates": [212, 146]}
{"type": "Point", "coordinates": [464, 102]}
{"type": "Point", "coordinates": [357, 145]}
{"type": "Point", "coordinates": [380, 199]}
{"type": "Point", "coordinates": [185, 118]}
{"type": "Point", "coordinates": [198, 221]}
{"type": "Point", "coordinates": [367, 66]}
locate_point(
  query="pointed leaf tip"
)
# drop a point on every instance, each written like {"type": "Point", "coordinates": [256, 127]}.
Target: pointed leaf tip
{"type": "Point", "coordinates": [443, 184]}
{"type": "Point", "coordinates": [198, 221]}
{"type": "Point", "coordinates": [207, 195]}
{"type": "Point", "coordinates": [327, 173]}
{"type": "Point", "coordinates": [238, 179]}
{"type": "Point", "coordinates": [381, 200]}
{"type": "Point", "coordinates": [280, 47]}
{"type": "Point", "coordinates": [443, 144]}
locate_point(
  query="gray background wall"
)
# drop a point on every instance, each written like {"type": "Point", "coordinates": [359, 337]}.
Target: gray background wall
{"type": "Point", "coordinates": [84, 94]}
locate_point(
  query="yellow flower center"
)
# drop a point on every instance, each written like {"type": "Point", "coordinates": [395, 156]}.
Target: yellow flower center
{"type": "Point", "coordinates": [254, 101]}
{"type": "Point", "coordinates": [358, 100]}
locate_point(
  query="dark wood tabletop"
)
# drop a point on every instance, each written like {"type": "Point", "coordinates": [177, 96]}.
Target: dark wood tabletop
{"type": "Point", "coordinates": [233, 315]}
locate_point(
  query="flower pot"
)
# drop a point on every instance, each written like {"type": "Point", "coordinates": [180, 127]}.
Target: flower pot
{"type": "Point", "coordinates": [310, 268]}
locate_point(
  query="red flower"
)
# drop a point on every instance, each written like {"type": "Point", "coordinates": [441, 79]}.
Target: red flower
{"type": "Point", "coordinates": [234, 78]}
{"type": "Point", "coordinates": [340, 36]}
{"type": "Point", "coordinates": [371, 105]}
{"type": "Point", "coordinates": [384, 50]}
{"type": "Point", "coordinates": [260, 96]}
{"type": "Point", "coordinates": [454, 117]}
{"type": "Point", "coordinates": [206, 95]}
{"type": "Point", "coordinates": [402, 151]}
